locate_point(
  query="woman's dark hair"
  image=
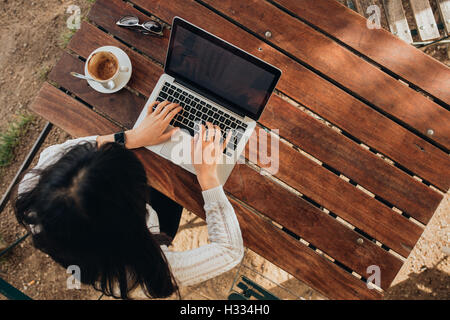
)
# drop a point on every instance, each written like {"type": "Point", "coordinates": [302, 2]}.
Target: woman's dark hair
{"type": "Point", "coordinates": [90, 210]}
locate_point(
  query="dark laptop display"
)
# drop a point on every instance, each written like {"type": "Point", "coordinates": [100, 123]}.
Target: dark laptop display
{"type": "Point", "coordinates": [219, 71]}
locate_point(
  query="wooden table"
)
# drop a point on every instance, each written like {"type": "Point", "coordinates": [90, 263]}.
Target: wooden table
{"type": "Point", "coordinates": [364, 148]}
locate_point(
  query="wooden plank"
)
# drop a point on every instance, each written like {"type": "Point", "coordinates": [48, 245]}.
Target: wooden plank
{"type": "Point", "coordinates": [318, 273]}
{"type": "Point", "coordinates": [52, 103]}
{"type": "Point", "coordinates": [397, 20]}
{"type": "Point", "coordinates": [426, 25]}
{"type": "Point", "coordinates": [340, 197]}
{"type": "Point", "coordinates": [349, 158]}
{"type": "Point", "coordinates": [377, 44]}
{"type": "Point", "coordinates": [338, 245]}
{"type": "Point", "coordinates": [402, 241]}
{"type": "Point", "coordinates": [301, 129]}
{"type": "Point", "coordinates": [181, 186]}
{"type": "Point", "coordinates": [444, 10]}
{"type": "Point", "coordinates": [311, 224]}
{"type": "Point", "coordinates": [123, 106]}
{"type": "Point", "coordinates": [326, 99]}
{"type": "Point", "coordinates": [341, 65]}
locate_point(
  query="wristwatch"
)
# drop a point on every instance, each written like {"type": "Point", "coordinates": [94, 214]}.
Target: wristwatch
{"type": "Point", "coordinates": [119, 138]}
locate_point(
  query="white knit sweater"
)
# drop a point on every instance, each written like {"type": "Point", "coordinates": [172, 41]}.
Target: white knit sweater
{"type": "Point", "coordinates": [224, 250]}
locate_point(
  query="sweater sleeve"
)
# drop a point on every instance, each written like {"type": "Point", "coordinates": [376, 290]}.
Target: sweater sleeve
{"type": "Point", "coordinates": [224, 251]}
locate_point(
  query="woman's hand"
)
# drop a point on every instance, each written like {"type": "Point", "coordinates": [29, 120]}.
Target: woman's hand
{"type": "Point", "coordinates": [152, 130]}
{"type": "Point", "coordinates": [207, 149]}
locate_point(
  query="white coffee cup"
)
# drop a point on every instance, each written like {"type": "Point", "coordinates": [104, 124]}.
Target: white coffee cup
{"type": "Point", "coordinates": [104, 67]}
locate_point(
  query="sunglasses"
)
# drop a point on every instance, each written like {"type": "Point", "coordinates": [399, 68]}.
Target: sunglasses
{"type": "Point", "coordinates": [149, 27]}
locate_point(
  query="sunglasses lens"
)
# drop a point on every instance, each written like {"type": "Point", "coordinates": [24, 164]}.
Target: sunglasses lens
{"type": "Point", "coordinates": [129, 20]}
{"type": "Point", "coordinates": [153, 26]}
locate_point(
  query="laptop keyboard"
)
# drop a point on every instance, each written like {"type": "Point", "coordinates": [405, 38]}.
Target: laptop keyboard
{"type": "Point", "coordinates": [197, 111]}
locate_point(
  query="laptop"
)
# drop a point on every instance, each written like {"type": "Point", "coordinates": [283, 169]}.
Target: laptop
{"type": "Point", "coordinates": [213, 81]}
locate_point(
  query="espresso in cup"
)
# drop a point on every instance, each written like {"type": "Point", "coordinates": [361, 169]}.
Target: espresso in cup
{"type": "Point", "coordinates": [103, 66]}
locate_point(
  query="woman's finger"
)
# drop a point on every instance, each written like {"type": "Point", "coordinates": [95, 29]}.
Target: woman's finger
{"type": "Point", "coordinates": [151, 106]}
{"type": "Point", "coordinates": [160, 107]}
{"type": "Point", "coordinates": [203, 132]}
{"type": "Point", "coordinates": [217, 141]}
{"type": "Point", "coordinates": [210, 133]}
{"type": "Point", "coordinates": [167, 109]}
{"type": "Point", "coordinates": [196, 150]}
{"type": "Point", "coordinates": [172, 114]}
{"type": "Point", "coordinates": [217, 136]}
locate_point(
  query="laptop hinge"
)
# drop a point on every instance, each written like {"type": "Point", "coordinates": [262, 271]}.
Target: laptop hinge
{"type": "Point", "coordinates": [211, 97]}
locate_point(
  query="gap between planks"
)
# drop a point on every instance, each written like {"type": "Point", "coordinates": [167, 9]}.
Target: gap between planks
{"type": "Point", "coordinates": [356, 52]}
{"type": "Point", "coordinates": [325, 210]}
{"type": "Point", "coordinates": [307, 244]}
{"type": "Point", "coordinates": [391, 162]}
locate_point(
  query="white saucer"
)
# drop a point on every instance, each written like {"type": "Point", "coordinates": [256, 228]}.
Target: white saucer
{"type": "Point", "coordinates": [123, 77]}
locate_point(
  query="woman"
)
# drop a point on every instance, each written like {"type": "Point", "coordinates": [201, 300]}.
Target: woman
{"type": "Point", "coordinates": [86, 204]}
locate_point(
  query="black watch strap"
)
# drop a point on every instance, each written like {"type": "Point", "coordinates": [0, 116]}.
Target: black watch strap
{"type": "Point", "coordinates": [119, 138]}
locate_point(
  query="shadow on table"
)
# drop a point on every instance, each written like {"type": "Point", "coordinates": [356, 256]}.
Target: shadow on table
{"type": "Point", "coordinates": [430, 284]}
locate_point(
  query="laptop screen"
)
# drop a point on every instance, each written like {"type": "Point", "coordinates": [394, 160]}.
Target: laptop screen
{"type": "Point", "coordinates": [220, 71]}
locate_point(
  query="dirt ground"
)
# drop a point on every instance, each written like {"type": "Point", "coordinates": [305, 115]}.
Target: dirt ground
{"type": "Point", "coordinates": [31, 40]}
